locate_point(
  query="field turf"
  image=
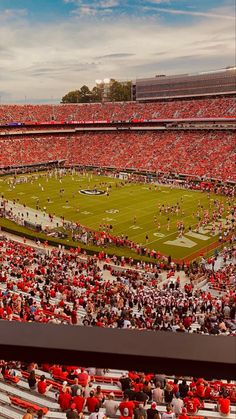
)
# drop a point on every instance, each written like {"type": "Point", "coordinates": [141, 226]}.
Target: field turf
{"type": "Point", "coordinates": [131, 209]}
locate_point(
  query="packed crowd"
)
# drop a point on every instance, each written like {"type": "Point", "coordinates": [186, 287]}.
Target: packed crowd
{"type": "Point", "coordinates": [122, 111]}
{"type": "Point", "coordinates": [62, 287]}
{"type": "Point", "coordinates": [136, 395]}
{"type": "Point", "coordinates": [210, 154]}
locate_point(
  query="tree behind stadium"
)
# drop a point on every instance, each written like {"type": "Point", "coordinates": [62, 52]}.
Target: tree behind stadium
{"type": "Point", "coordinates": [114, 92]}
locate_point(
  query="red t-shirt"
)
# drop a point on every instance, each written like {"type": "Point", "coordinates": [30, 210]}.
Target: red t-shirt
{"type": "Point", "coordinates": [207, 392]}
{"type": "Point", "coordinates": [42, 387]}
{"type": "Point", "coordinates": [138, 387]}
{"type": "Point", "coordinates": [1, 313]}
{"type": "Point", "coordinates": [192, 404]}
{"type": "Point", "coordinates": [224, 405]}
{"type": "Point", "coordinates": [92, 402]}
{"type": "Point", "coordinates": [83, 378]}
{"type": "Point", "coordinates": [56, 370]}
{"type": "Point", "coordinates": [79, 401]}
{"type": "Point", "coordinates": [200, 390]}
{"type": "Point", "coordinates": [64, 401]}
{"type": "Point", "coordinates": [129, 405]}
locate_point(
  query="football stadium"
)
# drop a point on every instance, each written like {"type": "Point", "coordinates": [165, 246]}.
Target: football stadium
{"type": "Point", "coordinates": [118, 251]}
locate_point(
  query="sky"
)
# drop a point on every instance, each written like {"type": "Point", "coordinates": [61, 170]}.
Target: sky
{"type": "Point", "coordinates": [50, 47]}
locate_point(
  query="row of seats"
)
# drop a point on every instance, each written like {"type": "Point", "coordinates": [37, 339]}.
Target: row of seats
{"type": "Point", "coordinates": [199, 153]}
{"type": "Point", "coordinates": [135, 387]}
{"type": "Point", "coordinates": [200, 108]}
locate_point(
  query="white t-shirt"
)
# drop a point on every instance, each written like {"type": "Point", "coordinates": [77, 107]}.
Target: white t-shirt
{"type": "Point", "coordinates": [177, 405]}
{"type": "Point", "coordinates": [170, 415]}
{"type": "Point", "coordinates": [111, 407]}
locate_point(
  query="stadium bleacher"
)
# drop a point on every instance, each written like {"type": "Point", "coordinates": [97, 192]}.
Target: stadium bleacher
{"type": "Point", "coordinates": [124, 111]}
{"type": "Point", "coordinates": [61, 288]}
{"type": "Point", "coordinates": [210, 153]}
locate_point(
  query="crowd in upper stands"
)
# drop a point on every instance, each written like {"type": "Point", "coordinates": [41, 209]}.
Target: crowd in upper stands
{"type": "Point", "coordinates": [202, 153]}
{"type": "Point", "coordinates": [123, 111]}
{"type": "Point", "coordinates": [209, 154]}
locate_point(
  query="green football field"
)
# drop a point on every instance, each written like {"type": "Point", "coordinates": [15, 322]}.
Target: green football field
{"type": "Point", "coordinates": [132, 209]}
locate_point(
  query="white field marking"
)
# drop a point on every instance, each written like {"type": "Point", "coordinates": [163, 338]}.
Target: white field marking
{"type": "Point", "coordinates": [160, 235]}
{"type": "Point", "coordinates": [34, 197]}
{"type": "Point", "coordinates": [85, 212]}
{"type": "Point", "coordinates": [188, 195]}
{"type": "Point", "coordinates": [209, 231]}
{"type": "Point", "coordinates": [66, 206]}
{"type": "Point", "coordinates": [134, 227]}
{"type": "Point", "coordinates": [108, 219]}
{"type": "Point", "coordinates": [20, 193]}
{"type": "Point", "coordinates": [181, 242]}
{"type": "Point", "coordinates": [197, 236]}
{"type": "Point", "coordinates": [112, 211]}
{"type": "Point", "coordinates": [165, 191]}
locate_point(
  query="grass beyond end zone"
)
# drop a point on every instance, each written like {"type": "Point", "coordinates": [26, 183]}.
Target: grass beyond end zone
{"type": "Point", "coordinates": [131, 209]}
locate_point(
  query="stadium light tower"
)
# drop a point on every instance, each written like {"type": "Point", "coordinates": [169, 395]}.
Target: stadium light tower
{"type": "Point", "coordinates": [104, 85]}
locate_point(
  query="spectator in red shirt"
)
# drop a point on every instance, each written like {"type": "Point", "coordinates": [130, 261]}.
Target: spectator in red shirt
{"type": "Point", "coordinates": [192, 403]}
{"type": "Point", "coordinates": [1, 312]}
{"type": "Point", "coordinates": [92, 402]}
{"type": "Point", "coordinates": [64, 399]}
{"type": "Point", "coordinates": [138, 386]}
{"type": "Point", "coordinates": [79, 401]}
{"type": "Point", "coordinates": [42, 385]}
{"type": "Point", "coordinates": [83, 377]}
{"type": "Point", "coordinates": [183, 414]}
{"type": "Point", "coordinates": [56, 370]}
{"type": "Point", "coordinates": [126, 414]}
{"type": "Point", "coordinates": [201, 388]}
{"type": "Point", "coordinates": [127, 404]}
{"type": "Point", "coordinates": [224, 405]}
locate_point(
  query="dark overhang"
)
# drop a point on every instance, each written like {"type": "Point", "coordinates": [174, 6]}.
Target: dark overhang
{"type": "Point", "coordinates": [166, 352]}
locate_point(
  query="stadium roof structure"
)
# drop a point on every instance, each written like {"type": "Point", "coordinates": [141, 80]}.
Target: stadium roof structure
{"type": "Point", "coordinates": [167, 352]}
{"type": "Point", "coordinates": [208, 83]}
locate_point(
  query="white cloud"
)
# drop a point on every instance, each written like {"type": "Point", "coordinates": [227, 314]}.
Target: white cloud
{"type": "Point", "coordinates": [45, 60]}
{"type": "Point", "coordinates": [101, 7]}
{"type": "Point", "coordinates": [190, 13]}
{"type": "Point", "coordinates": [109, 3]}
{"type": "Point", "coordinates": [7, 14]}
{"type": "Point", "coordinates": [86, 10]}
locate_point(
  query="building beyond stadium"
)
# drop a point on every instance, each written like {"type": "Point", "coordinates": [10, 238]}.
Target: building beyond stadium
{"type": "Point", "coordinates": [221, 82]}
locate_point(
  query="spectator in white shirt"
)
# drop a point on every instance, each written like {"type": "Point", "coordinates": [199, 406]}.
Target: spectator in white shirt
{"type": "Point", "coordinates": [169, 414]}
{"type": "Point", "coordinates": [111, 406]}
{"type": "Point", "coordinates": [177, 404]}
